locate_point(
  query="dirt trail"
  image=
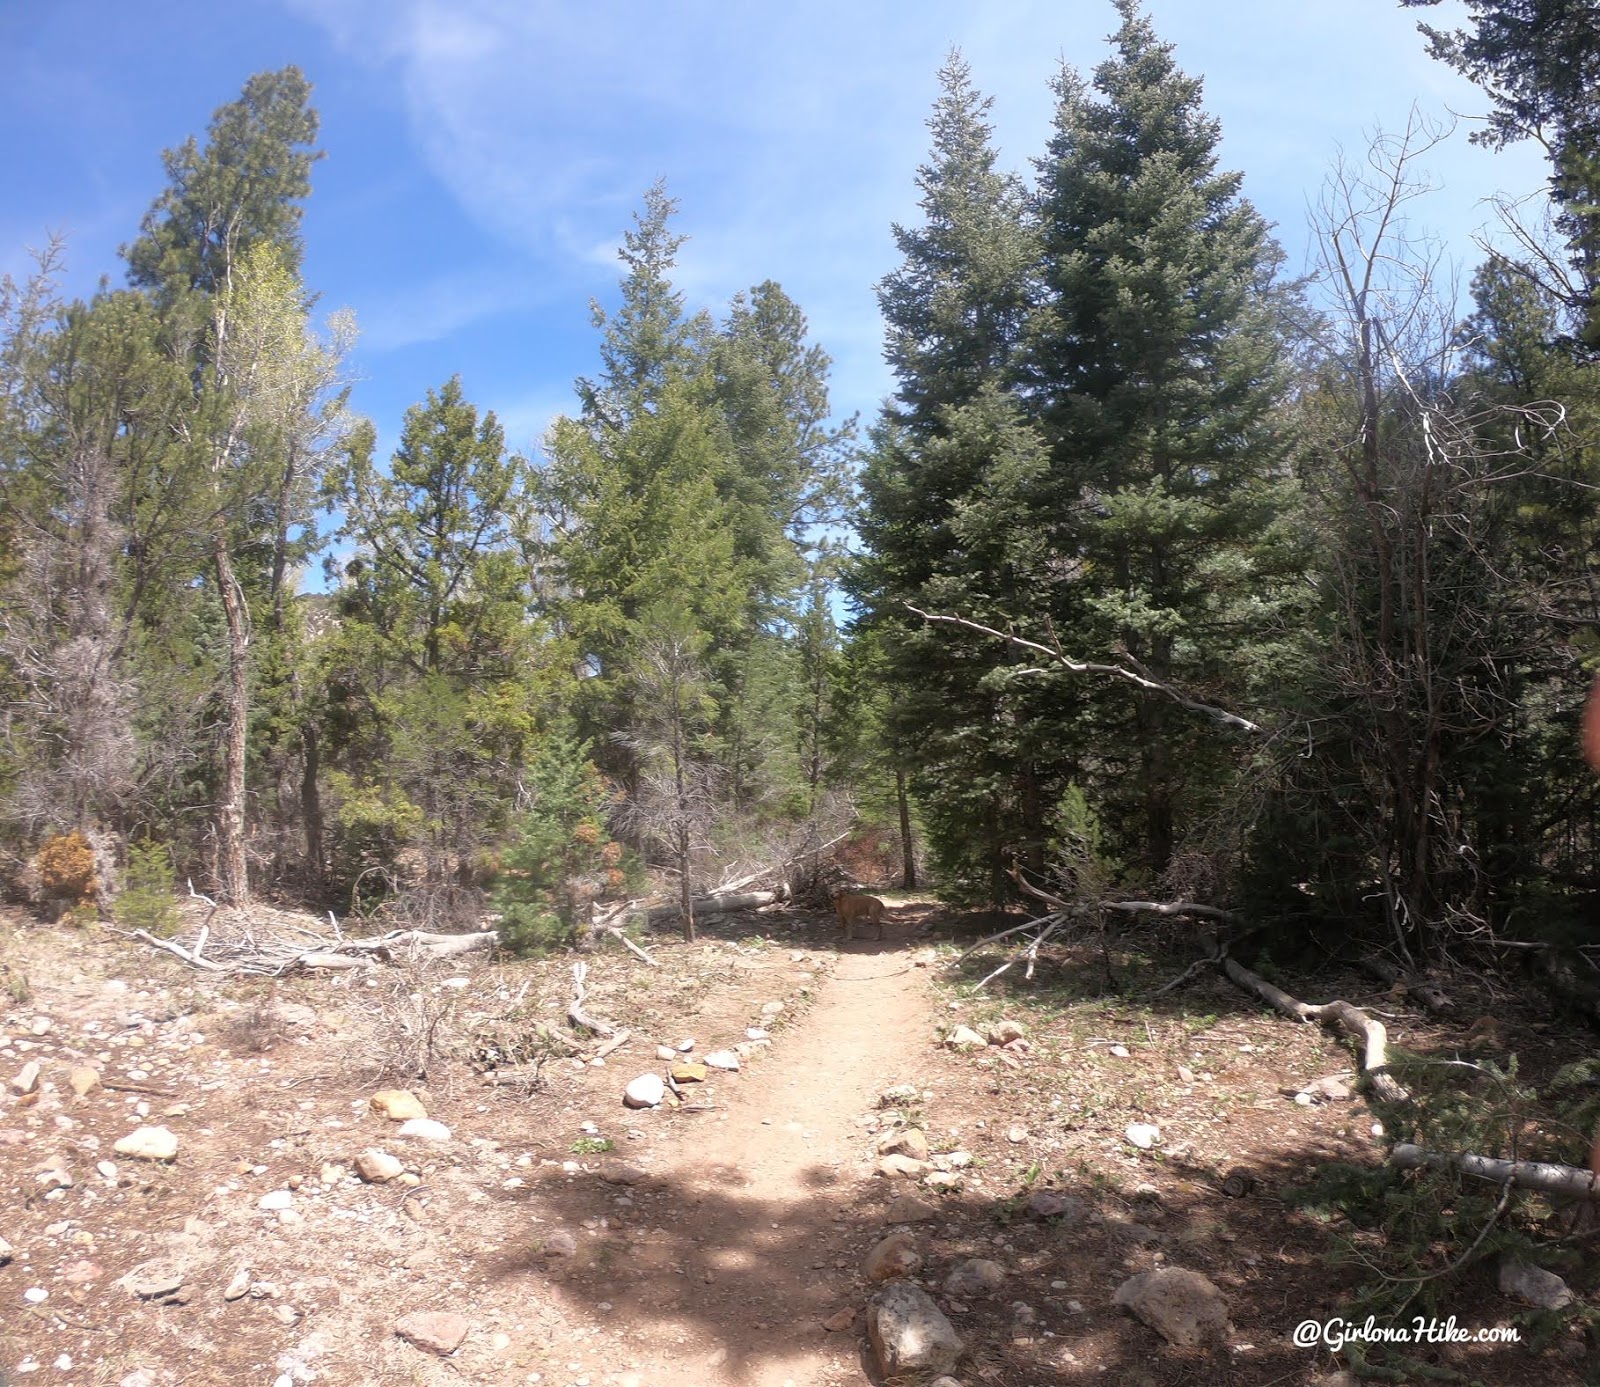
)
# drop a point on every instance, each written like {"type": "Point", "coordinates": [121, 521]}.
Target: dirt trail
{"type": "Point", "coordinates": [769, 1198]}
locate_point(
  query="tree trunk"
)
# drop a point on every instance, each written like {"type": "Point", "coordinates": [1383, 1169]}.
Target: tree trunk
{"type": "Point", "coordinates": [232, 869]}
{"type": "Point", "coordinates": [685, 889]}
{"type": "Point", "coordinates": [311, 801]}
{"type": "Point", "coordinates": [908, 857]}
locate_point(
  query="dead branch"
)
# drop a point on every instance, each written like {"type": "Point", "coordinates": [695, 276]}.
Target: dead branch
{"type": "Point", "coordinates": [1573, 1182]}
{"type": "Point", "coordinates": [712, 905]}
{"type": "Point", "coordinates": [1055, 653]}
{"type": "Point", "coordinates": [177, 951]}
{"type": "Point", "coordinates": [1351, 1020]}
{"type": "Point", "coordinates": [575, 1012]}
{"type": "Point", "coordinates": [1210, 912]}
{"type": "Point", "coordinates": [1430, 994]}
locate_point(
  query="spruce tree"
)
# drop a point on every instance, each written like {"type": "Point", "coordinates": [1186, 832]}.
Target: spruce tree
{"type": "Point", "coordinates": [1154, 360]}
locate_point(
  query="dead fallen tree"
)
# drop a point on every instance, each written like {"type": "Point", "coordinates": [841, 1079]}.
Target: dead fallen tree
{"type": "Point", "coordinates": [1571, 1182]}
{"type": "Point", "coordinates": [272, 944]}
{"type": "Point", "coordinates": [713, 905]}
{"type": "Point", "coordinates": [1342, 1016]}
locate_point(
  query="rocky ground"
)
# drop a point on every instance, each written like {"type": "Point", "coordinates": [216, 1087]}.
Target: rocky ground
{"type": "Point", "coordinates": [197, 1185]}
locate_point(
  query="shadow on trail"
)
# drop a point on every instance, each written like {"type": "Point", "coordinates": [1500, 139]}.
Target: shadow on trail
{"type": "Point", "coordinates": [714, 1281]}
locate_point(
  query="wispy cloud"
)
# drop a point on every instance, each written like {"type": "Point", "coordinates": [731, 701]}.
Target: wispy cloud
{"type": "Point", "coordinates": [792, 135]}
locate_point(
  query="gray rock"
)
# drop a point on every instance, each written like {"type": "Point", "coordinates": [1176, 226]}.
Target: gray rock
{"type": "Point", "coordinates": [909, 1333]}
{"type": "Point", "coordinates": [1004, 1032]}
{"type": "Point", "coordinates": [900, 1093]}
{"type": "Point", "coordinates": [1532, 1284]}
{"type": "Point", "coordinates": [903, 1167]}
{"type": "Point", "coordinates": [965, 1038]}
{"type": "Point", "coordinates": [1049, 1204]}
{"type": "Point", "coordinates": [977, 1276]}
{"type": "Point", "coordinates": [1180, 1305]}
{"type": "Point", "coordinates": [722, 1059]}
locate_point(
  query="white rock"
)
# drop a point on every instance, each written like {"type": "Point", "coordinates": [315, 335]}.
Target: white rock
{"type": "Point", "coordinates": [722, 1059]}
{"type": "Point", "coordinates": [965, 1038]}
{"type": "Point", "coordinates": [425, 1129]}
{"type": "Point", "coordinates": [1120, 1051]}
{"type": "Point", "coordinates": [274, 1200]}
{"type": "Point", "coordinates": [666, 1052]}
{"type": "Point", "coordinates": [645, 1092]}
{"type": "Point", "coordinates": [148, 1144]}
{"type": "Point", "coordinates": [685, 1045]}
{"type": "Point", "coordinates": [1144, 1135]}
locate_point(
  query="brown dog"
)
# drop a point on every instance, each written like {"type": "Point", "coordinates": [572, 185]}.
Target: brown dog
{"type": "Point", "coordinates": [852, 908]}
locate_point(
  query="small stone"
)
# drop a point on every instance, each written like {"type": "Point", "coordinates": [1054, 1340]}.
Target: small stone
{"type": "Point", "coordinates": [559, 1243]}
{"type": "Point", "coordinates": [1185, 1074]}
{"type": "Point", "coordinates": [756, 1033]}
{"type": "Point", "coordinates": [688, 1072]}
{"type": "Point", "coordinates": [1016, 1135]}
{"type": "Point", "coordinates": [1144, 1135]}
{"type": "Point", "coordinates": [723, 1059]}
{"type": "Point", "coordinates": [907, 1208]}
{"type": "Point", "coordinates": [1048, 1204]}
{"type": "Point", "coordinates": [840, 1320]}
{"type": "Point", "coordinates": [646, 1091]}
{"type": "Point", "coordinates": [7, 1252]}
{"type": "Point", "coordinates": [153, 1280]}
{"type": "Point", "coordinates": [27, 1077]}
{"type": "Point", "coordinates": [958, 1160]}
{"type": "Point", "coordinates": [965, 1038]}
{"type": "Point", "coordinates": [666, 1052]}
{"type": "Point", "coordinates": [942, 1180]}
{"type": "Point", "coordinates": [433, 1331]}
{"type": "Point", "coordinates": [424, 1129]}
{"type": "Point", "coordinates": [500, 1342]}
{"type": "Point", "coordinates": [36, 1295]}
{"type": "Point", "coordinates": [1532, 1284]}
{"type": "Point", "coordinates": [107, 1170]}
{"type": "Point", "coordinates": [902, 1167]}
{"type": "Point", "coordinates": [771, 1008]}
{"type": "Point", "coordinates": [1004, 1032]}
{"type": "Point", "coordinates": [83, 1078]}
{"type": "Point", "coordinates": [398, 1105]}
{"type": "Point", "coordinates": [1331, 1089]}
{"type": "Point", "coordinates": [148, 1144]}
{"type": "Point", "coordinates": [238, 1286]}
{"type": "Point", "coordinates": [893, 1256]}
{"type": "Point", "coordinates": [1305, 1100]}
{"type": "Point", "coordinates": [908, 1141]}
{"type": "Point", "coordinates": [1120, 1051]}
{"type": "Point", "coordinates": [274, 1200]}
{"type": "Point", "coordinates": [977, 1276]}
{"type": "Point", "coordinates": [685, 1045]}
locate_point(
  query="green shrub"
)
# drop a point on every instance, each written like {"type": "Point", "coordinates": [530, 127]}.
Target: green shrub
{"type": "Point", "coordinates": [147, 901]}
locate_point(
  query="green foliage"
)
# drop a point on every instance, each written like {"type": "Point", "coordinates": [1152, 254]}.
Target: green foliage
{"type": "Point", "coordinates": [592, 1146]}
{"type": "Point", "coordinates": [370, 824]}
{"type": "Point", "coordinates": [147, 899]}
{"type": "Point", "coordinates": [564, 858]}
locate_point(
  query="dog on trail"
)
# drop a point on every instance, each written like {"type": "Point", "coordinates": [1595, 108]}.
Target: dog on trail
{"type": "Point", "coordinates": [851, 907]}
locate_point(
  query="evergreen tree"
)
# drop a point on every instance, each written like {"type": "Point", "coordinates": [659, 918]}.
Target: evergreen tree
{"type": "Point", "coordinates": [1539, 63]}
{"type": "Point", "coordinates": [1154, 360]}
{"type": "Point", "coordinates": [436, 676]}
{"type": "Point", "coordinates": [947, 468]}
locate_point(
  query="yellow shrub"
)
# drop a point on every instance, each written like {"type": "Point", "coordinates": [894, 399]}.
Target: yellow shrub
{"type": "Point", "coordinates": [66, 869]}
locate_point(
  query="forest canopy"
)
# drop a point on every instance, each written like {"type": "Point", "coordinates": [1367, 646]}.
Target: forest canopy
{"type": "Point", "coordinates": [1161, 572]}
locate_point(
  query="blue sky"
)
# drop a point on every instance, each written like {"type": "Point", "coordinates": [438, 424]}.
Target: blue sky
{"type": "Point", "coordinates": [484, 156]}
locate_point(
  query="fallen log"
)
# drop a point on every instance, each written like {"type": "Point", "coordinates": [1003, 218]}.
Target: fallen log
{"type": "Point", "coordinates": [1430, 994]}
{"type": "Point", "coordinates": [1351, 1020]}
{"type": "Point", "coordinates": [713, 905]}
{"type": "Point", "coordinates": [1573, 1182]}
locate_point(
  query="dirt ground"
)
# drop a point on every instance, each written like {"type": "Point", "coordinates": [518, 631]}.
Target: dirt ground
{"type": "Point", "coordinates": [585, 1243]}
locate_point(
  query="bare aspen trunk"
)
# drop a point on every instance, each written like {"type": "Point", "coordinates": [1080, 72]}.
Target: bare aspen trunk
{"type": "Point", "coordinates": [233, 871]}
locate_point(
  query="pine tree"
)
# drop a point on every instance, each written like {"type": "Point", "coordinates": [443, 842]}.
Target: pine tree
{"type": "Point", "coordinates": [1154, 360]}
{"type": "Point", "coordinates": [437, 677]}
{"type": "Point", "coordinates": [946, 521]}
